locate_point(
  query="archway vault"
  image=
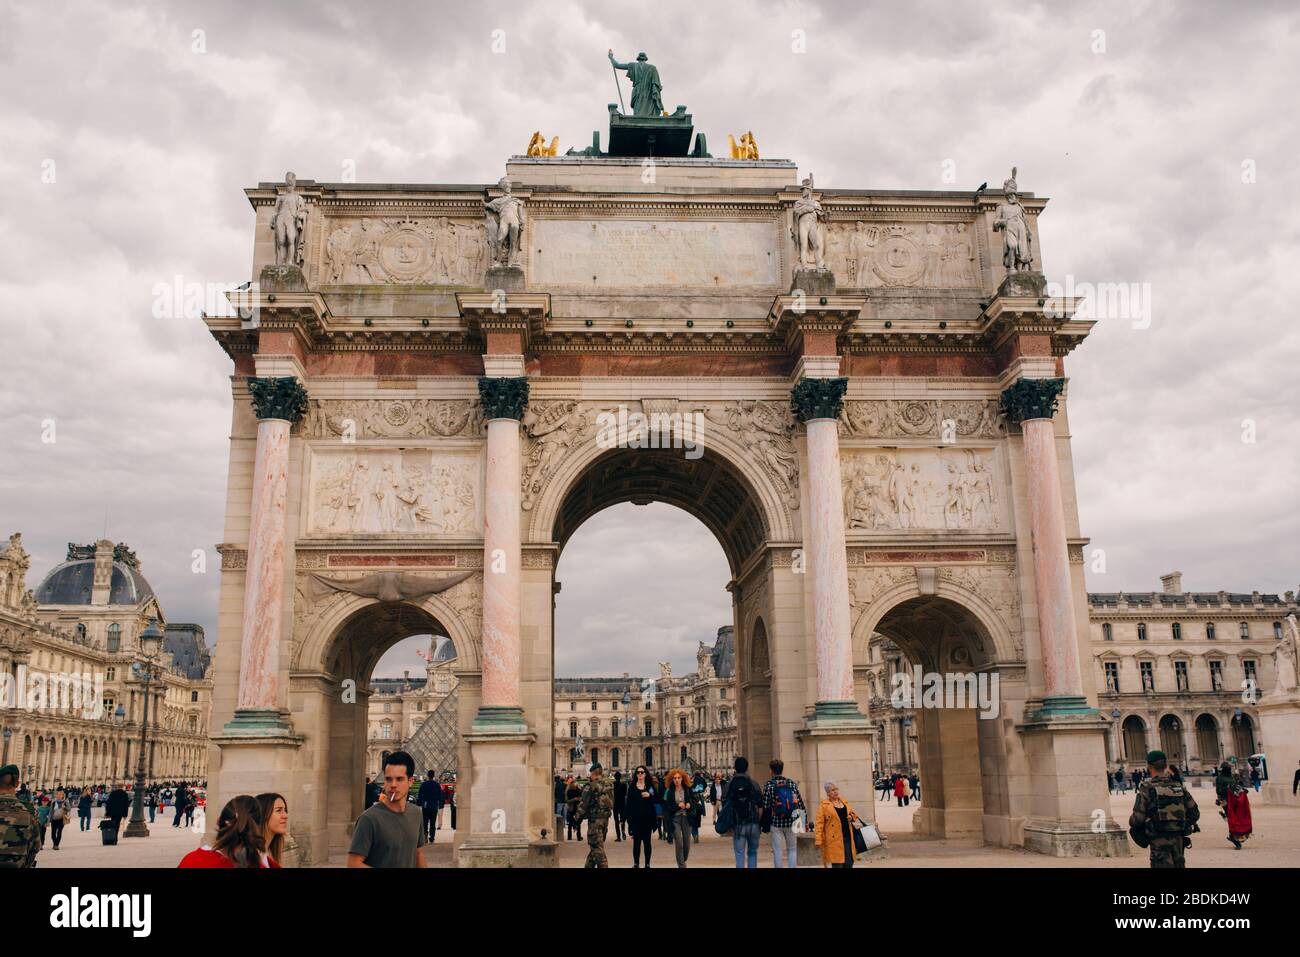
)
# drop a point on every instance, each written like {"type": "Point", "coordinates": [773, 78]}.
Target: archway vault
{"type": "Point", "coordinates": [709, 488]}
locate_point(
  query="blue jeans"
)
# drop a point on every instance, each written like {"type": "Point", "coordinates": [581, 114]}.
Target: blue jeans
{"type": "Point", "coordinates": [785, 847]}
{"type": "Point", "coordinates": [151, 813]}
{"type": "Point", "coordinates": [744, 841]}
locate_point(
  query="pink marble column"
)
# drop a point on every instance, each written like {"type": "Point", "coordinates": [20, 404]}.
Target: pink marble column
{"type": "Point", "coordinates": [259, 661]}
{"type": "Point", "coordinates": [501, 574]}
{"type": "Point", "coordinates": [828, 565]}
{"type": "Point", "coordinates": [1052, 585]}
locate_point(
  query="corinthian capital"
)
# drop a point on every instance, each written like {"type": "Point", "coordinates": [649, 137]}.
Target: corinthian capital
{"type": "Point", "coordinates": [1032, 399]}
{"type": "Point", "coordinates": [503, 397]}
{"type": "Point", "coordinates": [278, 398]}
{"type": "Point", "coordinates": [818, 398]}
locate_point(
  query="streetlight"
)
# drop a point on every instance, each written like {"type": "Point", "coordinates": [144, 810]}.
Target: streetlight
{"type": "Point", "coordinates": [147, 670]}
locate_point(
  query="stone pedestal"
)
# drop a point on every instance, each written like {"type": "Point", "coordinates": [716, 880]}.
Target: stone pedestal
{"type": "Point", "coordinates": [252, 764]}
{"type": "Point", "coordinates": [282, 279]}
{"type": "Point", "coordinates": [498, 832]}
{"type": "Point", "coordinates": [508, 279]}
{"type": "Point", "coordinates": [838, 751]}
{"type": "Point", "coordinates": [1068, 802]}
{"type": "Point", "coordinates": [1279, 724]}
{"type": "Point", "coordinates": [813, 282]}
{"type": "Point", "coordinates": [1023, 285]}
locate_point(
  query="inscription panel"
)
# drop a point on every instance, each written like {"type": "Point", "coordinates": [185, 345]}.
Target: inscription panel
{"type": "Point", "coordinates": [606, 254]}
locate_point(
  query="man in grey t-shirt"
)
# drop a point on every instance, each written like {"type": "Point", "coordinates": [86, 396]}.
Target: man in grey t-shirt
{"type": "Point", "coordinates": [389, 833]}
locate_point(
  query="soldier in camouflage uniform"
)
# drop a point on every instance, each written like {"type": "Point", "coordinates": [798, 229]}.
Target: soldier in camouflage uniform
{"type": "Point", "coordinates": [595, 806]}
{"type": "Point", "coordinates": [1164, 814]}
{"type": "Point", "coordinates": [20, 834]}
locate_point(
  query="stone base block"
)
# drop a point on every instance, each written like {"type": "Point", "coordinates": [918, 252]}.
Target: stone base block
{"type": "Point", "coordinates": [497, 834]}
{"type": "Point", "coordinates": [1066, 839]}
{"type": "Point", "coordinates": [839, 751]}
{"type": "Point", "coordinates": [282, 279]}
{"type": "Point", "coordinates": [1023, 285]}
{"type": "Point", "coordinates": [506, 278]}
{"type": "Point", "coordinates": [813, 282]}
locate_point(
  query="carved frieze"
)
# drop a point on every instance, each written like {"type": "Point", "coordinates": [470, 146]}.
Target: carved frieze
{"type": "Point", "coordinates": [766, 429]}
{"type": "Point", "coordinates": [944, 419]}
{"type": "Point", "coordinates": [550, 430]}
{"type": "Point", "coordinates": [931, 255]}
{"type": "Point", "coordinates": [422, 491]}
{"type": "Point", "coordinates": [438, 251]}
{"type": "Point", "coordinates": [998, 586]}
{"type": "Point", "coordinates": [921, 489]}
{"type": "Point", "coordinates": [392, 418]}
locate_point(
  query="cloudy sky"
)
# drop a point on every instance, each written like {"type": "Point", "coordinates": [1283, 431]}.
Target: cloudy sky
{"type": "Point", "coordinates": [1164, 134]}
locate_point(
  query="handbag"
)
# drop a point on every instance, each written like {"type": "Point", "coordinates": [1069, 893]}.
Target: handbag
{"type": "Point", "coordinates": [865, 837]}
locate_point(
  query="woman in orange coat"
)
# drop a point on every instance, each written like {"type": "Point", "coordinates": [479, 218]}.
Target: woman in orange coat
{"type": "Point", "coordinates": [833, 828]}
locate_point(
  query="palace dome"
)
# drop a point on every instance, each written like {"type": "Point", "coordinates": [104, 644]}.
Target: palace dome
{"type": "Point", "coordinates": [72, 584]}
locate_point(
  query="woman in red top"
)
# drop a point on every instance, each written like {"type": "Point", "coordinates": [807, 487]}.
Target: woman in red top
{"type": "Point", "coordinates": [241, 841]}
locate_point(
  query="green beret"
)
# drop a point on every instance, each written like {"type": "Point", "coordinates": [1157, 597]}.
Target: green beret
{"type": "Point", "coordinates": [1154, 757]}
{"type": "Point", "coordinates": [9, 769]}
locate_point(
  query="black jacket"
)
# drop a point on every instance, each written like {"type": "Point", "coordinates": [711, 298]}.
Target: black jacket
{"type": "Point", "coordinates": [119, 803]}
{"type": "Point", "coordinates": [671, 810]}
{"type": "Point", "coordinates": [640, 811]}
{"type": "Point", "coordinates": [620, 796]}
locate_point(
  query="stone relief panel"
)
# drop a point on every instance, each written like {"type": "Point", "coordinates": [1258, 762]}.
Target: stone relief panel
{"type": "Point", "coordinates": [438, 250]}
{"type": "Point", "coordinates": [392, 418]}
{"type": "Point", "coordinates": [378, 491]}
{"type": "Point", "coordinates": [932, 255]}
{"type": "Point", "coordinates": [766, 430]}
{"type": "Point", "coordinates": [944, 419]}
{"type": "Point", "coordinates": [550, 430]}
{"type": "Point", "coordinates": [922, 489]}
{"type": "Point", "coordinates": [999, 587]}
{"type": "Point", "coordinates": [654, 254]}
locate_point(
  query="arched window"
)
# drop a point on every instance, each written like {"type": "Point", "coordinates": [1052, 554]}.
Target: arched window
{"type": "Point", "coordinates": [1107, 633]}
{"type": "Point", "coordinates": [1244, 628]}
{"type": "Point", "coordinates": [1207, 740]}
{"type": "Point", "coordinates": [1177, 630]}
{"type": "Point", "coordinates": [1209, 631]}
{"type": "Point", "coordinates": [114, 637]}
{"type": "Point", "coordinates": [613, 758]}
{"type": "Point", "coordinates": [1135, 738]}
{"type": "Point", "coordinates": [649, 729]}
{"type": "Point", "coordinates": [595, 755]}
{"type": "Point", "coordinates": [1142, 631]}
{"type": "Point", "coordinates": [681, 724]}
{"type": "Point", "coordinates": [724, 717]}
{"type": "Point", "coordinates": [683, 754]}
{"type": "Point", "coordinates": [386, 730]}
{"type": "Point", "coordinates": [649, 757]}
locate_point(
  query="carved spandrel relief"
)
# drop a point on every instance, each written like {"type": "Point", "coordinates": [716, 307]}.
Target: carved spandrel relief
{"type": "Point", "coordinates": [551, 429]}
{"type": "Point", "coordinates": [392, 418]}
{"type": "Point", "coordinates": [921, 489]}
{"type": "Point", "coordinates": [766, 430]}
{"type": "Point", "coordinates": [945, 419]}
{"type": "Point", "coordinates": [932, 255]}
{"type": "Point", "coordinates": [998, 586]}
{"type": "Point", "coordinates": [376, 491]}
{"type": "Point", "coordinates": [372, 250]}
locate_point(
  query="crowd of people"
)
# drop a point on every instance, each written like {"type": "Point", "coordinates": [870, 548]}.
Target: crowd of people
{"type": "Point", "coordinates": [903, 786]}
{"type": "Point", "coordinates": [650, 806]}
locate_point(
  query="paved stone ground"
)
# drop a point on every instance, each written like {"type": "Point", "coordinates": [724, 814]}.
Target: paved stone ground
{"type": "Point", "coordinates": [1276, 843]}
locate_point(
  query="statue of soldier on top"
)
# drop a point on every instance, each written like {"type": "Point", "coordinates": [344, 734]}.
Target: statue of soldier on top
{"type": "Point", "coordinates": [646, 88]}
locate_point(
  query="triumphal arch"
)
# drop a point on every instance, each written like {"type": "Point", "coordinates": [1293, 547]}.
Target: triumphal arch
{"type": "Point", "coordinates": [861, 392]}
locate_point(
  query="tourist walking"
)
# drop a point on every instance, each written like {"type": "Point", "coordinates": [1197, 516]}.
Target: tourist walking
{"type": "Point", "coordinates": [1234, 803]}
{"type": "Point", "coordinates": [83, 810]}
{"type": "Point", "coordinates": [620, 805]}
{"type": "Point", "coordinates": [18, 824]}
{"type": "Point", "coordinates": [833, 828]}
{"type": "Point", "coordinates": [595, 806]}
{"type": "Point", "coordinates": [716, 788]}
{"type": "Point", "coordinates": [745, 799]}
{"type": "Point", "coordinates": [559, 788]}
{"type": "Point", "coordinates": [681, 801]}
{"type": "Point", "coordinates": [240, 840]}
{"type": "Point", "coordinates": [58, 817]}
{"type": "Point", "coordinates": [1164, 814]}
{"type": "Point", "coordinates": [885, 786]}
{"type": "Point", "coordinates": [116, 808]}
{"type": "Point", "coordinates": [572, 795]}
{"type": "Point", "coordinates": [781, 800]}
{"type": "Point", "coordinates": [150, 800]}
{"type": "Point", "coordinates": [182, 797]}
{"type": "Point", "coordinates": [640, 812]}
{"type": "Point", "coordinates": [900, 790]}
{"type": "Point", "coordinates": [275, 825]}
{"type": "Point", "coordinates": [429, 797]}
{"type": "Point", "coordinates": [388, 834]}
{"type": "Point", "coordinates": [914, 787]}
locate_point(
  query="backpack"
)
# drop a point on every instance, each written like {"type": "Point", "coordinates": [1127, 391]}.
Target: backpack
{"type": "Point", "coordinates": [743, 799]}
{"type": "Point", "coordinates": [783, 801]}
{"type": "Point", "coordinates": [1166, 812]}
